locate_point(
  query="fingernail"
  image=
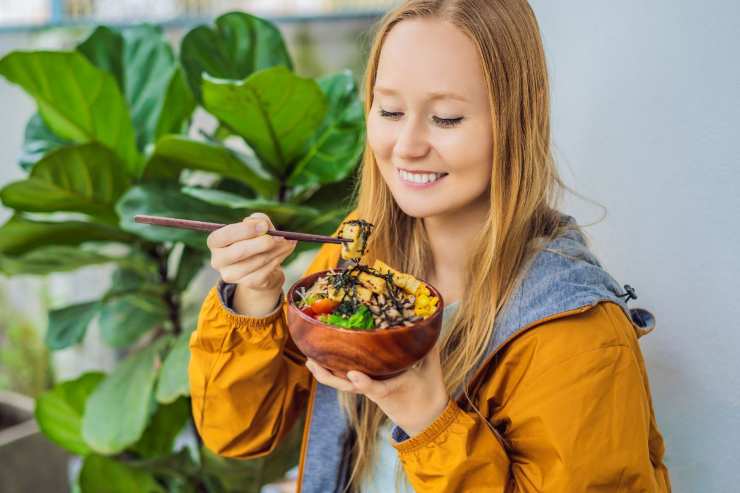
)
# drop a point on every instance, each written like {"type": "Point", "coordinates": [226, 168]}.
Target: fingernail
{"type": "Point", "coordinates": [353, 377]}
{"type": "Point", "coordinates": [261, 227]}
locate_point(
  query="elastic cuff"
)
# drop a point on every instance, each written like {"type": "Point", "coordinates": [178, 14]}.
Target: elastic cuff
{"type": "Point", "coordinates": [432, 431]}
{"type": "Point", "coordinates": [225, 293]}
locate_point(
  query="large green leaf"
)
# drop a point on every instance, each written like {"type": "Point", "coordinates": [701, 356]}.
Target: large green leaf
{"type": "Point", "coordinates": [280, 213]}
{"type": "Point", "coordinates": [20, 235]}
{"type": "Point", "coordinates": [119, 410]}
{"type": "Point", "coordinates": [67, 326]}
{"type": "Point", "coordinates": [251, 475]}
{"type": "Point", "coordinates": [59, 412]}
{"type": "Point", "coordinates": [173, 153]}
{"type": "Point", "coordinates": [274, 110]}
{"type": "Point", "coordinates": [173, 378]}
{"type": "Point", "coordinates": [85, 178]}
{"type": "Point", "coordinates": [190, 264]}
{"type": "Point", "coordinates": [53, 258]}
{"type": "Point", "coordinates": [125, 318]}
{"type": "Point", "coordinates": [102, 474]}
{"type": "Point", "coordinates": [77, 101]}
{"type": "Point", "coordinates": [238, 45]}
{"type": "Point", "coordinates": [338, 195]}
{"type": "Point", "coordinates": [140, 275]}
{"type": "Point", "coordinates": [104, 48]}
{"type": "Point", "coordinates": [37, 141]}
{"type": "Point", "coordinates": [159, 199]}
{"type": "Point", "coordinates": [142, 61]}
{"type": "Point", "coordinates": [335, 150]}
{"type": "Point", "coordinates": [159, 437]}
{"type": "Point", "coordinates": [179, 471]}
{"type": "Point", "coordinates": [177, 108]}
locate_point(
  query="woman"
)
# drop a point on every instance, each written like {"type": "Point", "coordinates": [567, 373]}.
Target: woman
{"type": "Point", "coordinates": [537, 383]}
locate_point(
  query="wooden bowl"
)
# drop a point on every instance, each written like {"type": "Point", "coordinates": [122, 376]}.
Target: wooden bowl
{"type": "Point", "coordinates": [379, 353]}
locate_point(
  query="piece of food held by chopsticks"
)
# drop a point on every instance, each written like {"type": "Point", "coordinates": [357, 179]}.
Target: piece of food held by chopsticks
{"type": "Point", "coordinates": [362, 297]}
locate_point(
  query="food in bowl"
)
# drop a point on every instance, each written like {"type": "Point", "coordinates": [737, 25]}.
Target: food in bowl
{"type": "Point", "coordinates": [361, 297]}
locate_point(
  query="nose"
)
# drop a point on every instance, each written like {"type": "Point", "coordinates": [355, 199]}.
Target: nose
{"type": "Point", "coordinates": [412, 141]}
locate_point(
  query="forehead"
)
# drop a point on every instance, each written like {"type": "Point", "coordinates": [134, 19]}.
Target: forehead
{"type": "Point", "coordinates": [426, 56]}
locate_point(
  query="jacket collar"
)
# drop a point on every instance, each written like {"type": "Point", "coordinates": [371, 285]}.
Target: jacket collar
{"type": "Point", "coordinates": [561, 279]}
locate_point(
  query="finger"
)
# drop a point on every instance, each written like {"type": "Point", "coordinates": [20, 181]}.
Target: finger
{"type": "Point", "coordinates": [246, 229]}
{"type": "Point", "coordinates": [237, 271]}
{"type": "Point", "coordinates": [374, 389]}
{"type": "Point", "coordinates": [241, 250]}
{"type": "Point", "coordinates": [322, 375]}
{"type": "Point", "coordinates": [244, 249]}
{"type": "Point", "coordinates": [258, 260]}
{"type": "Point", "coordinates": [269, 275]}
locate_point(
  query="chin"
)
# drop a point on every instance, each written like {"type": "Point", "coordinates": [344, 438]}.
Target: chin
{"type": "Point", "coordinates": [419, 209]}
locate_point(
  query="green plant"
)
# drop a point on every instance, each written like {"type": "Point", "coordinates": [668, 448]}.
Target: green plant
{"type": "Point", "coordinates": [110, 140]}
{"type": "Point", "coordinates": [24, 360]}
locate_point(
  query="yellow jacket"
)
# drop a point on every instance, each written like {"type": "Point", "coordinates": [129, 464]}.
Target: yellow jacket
{"type": "Point", "coordinates": [552, 394]}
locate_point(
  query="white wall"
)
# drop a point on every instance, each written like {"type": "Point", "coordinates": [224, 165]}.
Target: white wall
{"type": "Point", "coordinates": [646, 111]}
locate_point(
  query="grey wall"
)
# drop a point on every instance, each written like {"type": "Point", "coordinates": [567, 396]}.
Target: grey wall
{"type": "Point", "coordinates": [645, 107]}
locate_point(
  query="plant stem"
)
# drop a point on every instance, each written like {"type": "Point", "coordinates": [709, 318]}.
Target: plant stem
{"type": "Point", "coordinates": [159, 253]}
{"type": "Point", "coordinates": [283, 191]}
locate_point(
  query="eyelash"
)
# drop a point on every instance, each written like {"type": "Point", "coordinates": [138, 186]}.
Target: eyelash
{"type": "Point", "coordinates": [443, 122]}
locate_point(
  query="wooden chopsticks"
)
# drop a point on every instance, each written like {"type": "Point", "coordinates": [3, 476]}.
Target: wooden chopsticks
{"type": "Point", "coordinates": [172, 222]}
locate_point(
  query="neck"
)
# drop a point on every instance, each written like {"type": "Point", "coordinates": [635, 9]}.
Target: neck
{"type": "Point", "coordinates": [451, 236]}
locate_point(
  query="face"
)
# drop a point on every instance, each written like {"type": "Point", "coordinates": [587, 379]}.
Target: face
{"type": "Point", "coordinates": [429, 126]}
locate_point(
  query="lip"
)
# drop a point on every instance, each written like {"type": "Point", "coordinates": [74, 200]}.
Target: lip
{"type": "Point", "coordinates": [418, 186]}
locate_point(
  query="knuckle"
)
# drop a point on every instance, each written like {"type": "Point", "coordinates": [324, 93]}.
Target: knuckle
{"type": "Point", "coordinates": [212, 240]}
{"type": "Point", "coordinates": [264, 243]}
{"type": "Point", "coordinates": [262, 216]}
{"type": "Point", "coordinates": [248, 229]}
{"type": "Point", "coordinates": [263, 277]}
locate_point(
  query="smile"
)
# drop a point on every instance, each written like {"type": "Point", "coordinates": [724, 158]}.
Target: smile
{"type": "Point", "coordinates": [420, 180]}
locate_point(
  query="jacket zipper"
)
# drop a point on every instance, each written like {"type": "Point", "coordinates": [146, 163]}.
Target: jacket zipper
{"type": "Point", "coordinates": [304, 440]}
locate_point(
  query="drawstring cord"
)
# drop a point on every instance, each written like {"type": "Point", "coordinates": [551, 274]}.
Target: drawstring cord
{"type": "Point", "coordinates": [630, 293]}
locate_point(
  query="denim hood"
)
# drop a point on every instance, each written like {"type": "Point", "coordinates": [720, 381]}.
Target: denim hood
{"type": "Point", "coordinates": [562, 277]}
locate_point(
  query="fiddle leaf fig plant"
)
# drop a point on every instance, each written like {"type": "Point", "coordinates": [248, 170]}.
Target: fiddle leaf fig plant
{"type": "Point", "coordinates": [113, 136]}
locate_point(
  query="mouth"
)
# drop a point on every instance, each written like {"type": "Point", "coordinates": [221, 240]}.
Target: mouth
{"type": "Point", "coordinates": [418, 179]}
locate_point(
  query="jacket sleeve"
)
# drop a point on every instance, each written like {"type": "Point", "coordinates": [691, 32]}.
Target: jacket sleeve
{"type": "Point", "coordinates": [248, 383]}
{"type": "Point", "coordinates": [573, 415]}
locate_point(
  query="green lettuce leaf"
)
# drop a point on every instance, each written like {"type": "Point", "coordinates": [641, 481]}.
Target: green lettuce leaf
{"type": "Point", "coordinates": [361, 319]}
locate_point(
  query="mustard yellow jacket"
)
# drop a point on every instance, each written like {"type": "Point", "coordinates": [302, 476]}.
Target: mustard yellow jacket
{"type": "Point", "coordinates": [551, 392]}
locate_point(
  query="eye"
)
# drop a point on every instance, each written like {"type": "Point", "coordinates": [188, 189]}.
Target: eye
{"type": "Point", "coordinates": [393, 115]}
{"type": "Point", "coordinates": [447, 122]}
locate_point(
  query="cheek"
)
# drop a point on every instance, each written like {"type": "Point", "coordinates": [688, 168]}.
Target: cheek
{"type": "Point", "coordinates": [467, 154]}
{"type": "Point", "coordinates": [379, 138]}
{"type": "Point", "coordinates": [376, 137]}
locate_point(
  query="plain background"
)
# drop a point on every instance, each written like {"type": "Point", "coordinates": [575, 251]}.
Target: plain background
{"type": "Point", "coordinates": [646, 112]}
{"type": "Point", "coordinates": [646, 118]}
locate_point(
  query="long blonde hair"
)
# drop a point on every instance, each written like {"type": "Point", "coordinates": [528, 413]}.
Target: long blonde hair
{"type": "Point", "coordinates": [524, 191]}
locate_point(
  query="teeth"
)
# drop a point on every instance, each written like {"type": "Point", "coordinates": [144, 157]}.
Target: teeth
{"type": "Point", "coordinates": [420, 178]}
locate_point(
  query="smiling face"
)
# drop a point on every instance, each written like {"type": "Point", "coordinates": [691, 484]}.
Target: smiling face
{"type": "Point", "coordinates": [429, 125]}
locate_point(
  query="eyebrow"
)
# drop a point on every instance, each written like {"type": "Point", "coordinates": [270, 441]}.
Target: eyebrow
{"type": "Point", "coordinates": [431, 95]}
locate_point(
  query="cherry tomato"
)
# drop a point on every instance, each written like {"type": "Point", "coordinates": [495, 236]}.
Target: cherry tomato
{"type": "Point", "coordinates": [324, 305]}
{"type": "Point", "coordinates": [308, 311]}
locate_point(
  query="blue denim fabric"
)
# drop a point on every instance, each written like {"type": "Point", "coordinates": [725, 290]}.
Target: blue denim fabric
{"type": "Point", "coordinates": [562, 277]}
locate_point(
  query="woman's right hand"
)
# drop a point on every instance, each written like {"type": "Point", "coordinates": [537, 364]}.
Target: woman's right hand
{"type": "Point", "coordinates": [244, 255]}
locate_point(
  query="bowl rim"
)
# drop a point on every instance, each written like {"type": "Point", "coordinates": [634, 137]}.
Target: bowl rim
{"type": "Point", "coordinates": [394, 328]}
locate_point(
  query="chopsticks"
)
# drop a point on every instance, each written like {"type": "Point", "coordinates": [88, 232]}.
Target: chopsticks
{"type": "Point", "coordinates": [172, 222]}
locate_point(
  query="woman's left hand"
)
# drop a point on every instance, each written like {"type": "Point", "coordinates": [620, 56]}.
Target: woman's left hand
{"type": "Point", "coordinates": [412, 400]}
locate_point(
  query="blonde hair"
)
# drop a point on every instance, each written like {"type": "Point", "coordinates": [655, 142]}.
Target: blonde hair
{"type": "Point", "coordinates": [524, 191]}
